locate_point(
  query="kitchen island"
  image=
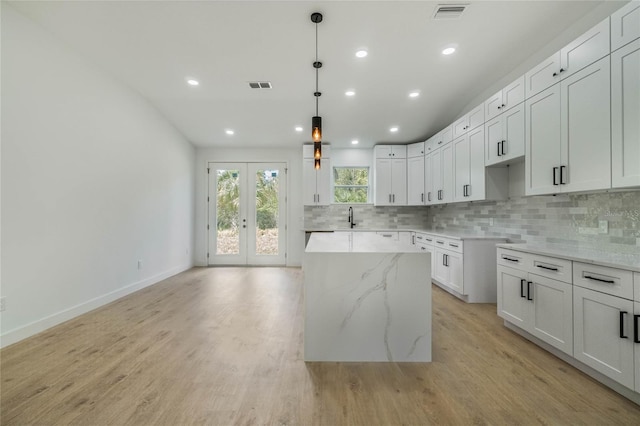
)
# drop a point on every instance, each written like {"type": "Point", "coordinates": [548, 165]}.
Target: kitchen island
{"type": "Point", "coordinates": [366, 299]}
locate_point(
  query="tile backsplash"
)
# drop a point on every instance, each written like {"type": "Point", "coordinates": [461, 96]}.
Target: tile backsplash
{"type": "Point", "coordinates": [561, 219]}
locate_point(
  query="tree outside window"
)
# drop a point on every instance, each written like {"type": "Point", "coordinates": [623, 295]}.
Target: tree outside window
{"type": "Point", "coordinates": [350, 185]}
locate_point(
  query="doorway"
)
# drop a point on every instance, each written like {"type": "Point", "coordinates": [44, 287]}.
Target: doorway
{"type": "Point", "coordinates": [246, 214]}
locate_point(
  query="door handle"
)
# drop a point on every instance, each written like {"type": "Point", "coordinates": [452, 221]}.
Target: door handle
{"type": "Point", "coordinates": [635, 329]}
{"type": "Point", "coordinates": [562, 182]}
{"type": "Point", "coordinates": [522, 281]}
{"type": "Point", "coordinates": [502, 147]}
{"type": "Point", "coordinates": [622, 335]}
{"type": "Point", "coordinates": [554, 176]}
{"type": "Point", "coordinates": [529, 290]}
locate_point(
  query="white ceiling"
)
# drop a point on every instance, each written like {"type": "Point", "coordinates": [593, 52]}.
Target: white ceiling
{"type": "Point", "coordinates": [153, 47]}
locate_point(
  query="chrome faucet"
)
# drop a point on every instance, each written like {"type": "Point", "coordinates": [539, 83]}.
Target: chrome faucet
{"type": "Point", "coordinates": [351, 222]}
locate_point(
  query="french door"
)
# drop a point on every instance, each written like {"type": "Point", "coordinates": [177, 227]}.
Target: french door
{"type": "Point", "coordinates": [246, 214]}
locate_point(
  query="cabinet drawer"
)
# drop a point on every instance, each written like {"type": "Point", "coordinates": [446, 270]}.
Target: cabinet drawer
{"type": "Point", "coordinates": [613, 281]}
{"type": "Point", "coordinates": [551, 267]}
{"type": "Point", "coordinates": [424, 239]}
{"type": "Point", "coordinates": [390, 235]}
{"type": "Point", "coordinates": [512, 259]}
{"type": "Point", "coordinates": [454, 245]}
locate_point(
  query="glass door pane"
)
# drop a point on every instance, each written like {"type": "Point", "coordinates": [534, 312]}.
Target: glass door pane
{"type": "Point", "coordinates": [228, 212]}
{"type": "Point", "coordinates": [267, 209]}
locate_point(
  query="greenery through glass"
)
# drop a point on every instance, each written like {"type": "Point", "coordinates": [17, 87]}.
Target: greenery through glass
{"type": "Point", "coordinates": [267, 212]}
{"type": "Point", "coordinates": [350, 185]}
{"type": "Point", "coordinates": [227, 209]}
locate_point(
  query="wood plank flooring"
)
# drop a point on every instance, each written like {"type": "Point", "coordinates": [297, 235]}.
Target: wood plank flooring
{"type": "Point", "coordinates": [223, 346]}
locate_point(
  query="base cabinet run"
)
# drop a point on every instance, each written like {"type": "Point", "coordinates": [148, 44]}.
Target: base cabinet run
{"type": "Point", "coordinates": [590, 312]}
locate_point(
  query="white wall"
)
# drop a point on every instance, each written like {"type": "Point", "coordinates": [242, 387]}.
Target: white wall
{"type": "Point", "coordinates": [295, 212]}
{"type": "Point", "coordinates": [93, 180]}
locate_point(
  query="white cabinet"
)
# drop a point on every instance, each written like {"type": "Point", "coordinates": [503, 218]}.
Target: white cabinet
{"type": "Point", "coordinates": [390, 151]}
{"type": "Point", "coordinates": [469, 121]}
{"type": "Point", "coordinates": [507, 98]}
{"type": "Point", "coordinates": [469, 171]}
{"type": "Point", "coordinates": [567, 134]}
{"type": "Point", "coordinates": [583, 51]}
{"type": "Point", "coordinates": [390, 182]}
{"type": "Point", "coordinates": [429, 197]}
{"type": "Point", "coordinates": [539, 305]}
{"type": "Point", "coordinates": [636, 326]}
{"type": "Point", "coordinates": [625, 25]}
{"type": "Point", "coordinates": [316, 183]}
{"type": "Point", "coordinates": [442, 138]}
{"type": "Point", "coordinates": [442, 175]}
{"type": "Point", "coordinates": [448, 265]}
{"type": "Point", "coordinates": [625, 114]}
{"type": "Point", "coordinates": [603, 334]}
{"type": "Point", "coordinates": [415, 149]}
{"type": "Point", "coordinates": [504, 137]}
{"type": "Point", "coordinates": [415, 181]}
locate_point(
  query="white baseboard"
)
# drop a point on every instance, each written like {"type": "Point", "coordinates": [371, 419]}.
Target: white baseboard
{"type": "Point", "coordinates": [35, 327]}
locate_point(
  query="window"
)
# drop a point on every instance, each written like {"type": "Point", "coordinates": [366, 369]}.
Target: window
{"type": "Point", "coordinates": [350, 185]}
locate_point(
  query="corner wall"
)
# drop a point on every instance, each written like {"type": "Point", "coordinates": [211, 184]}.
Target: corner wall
{"type": "Point", "coordinates": [93, 180]}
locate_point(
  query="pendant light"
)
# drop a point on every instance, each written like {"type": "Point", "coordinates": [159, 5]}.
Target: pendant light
{"type": "Point", "coordinates": [316, 121]}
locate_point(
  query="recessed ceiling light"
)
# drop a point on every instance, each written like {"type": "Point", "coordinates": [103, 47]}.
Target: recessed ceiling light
{"type": "Point", "coordinates": [361, 53]}
{"type": "Point", "coordinates": [354, 142]}
{"type": "Point", "coordinates": [298, 129]}
{"type": "Point", "coordinates": [414, 94]}
{"type": "Point", "coordinates": [229, 131]}
{"type": "Point", "coordinates": [192, 82]}
{"type": "Point", "coordinates": [349, 93]}
{"type": "Point", "coordinates": [448, 50]}
{"type": "Point", "coordinates": [393, 129]}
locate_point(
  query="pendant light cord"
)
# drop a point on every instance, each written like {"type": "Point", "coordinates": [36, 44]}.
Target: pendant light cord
{"type": "Point", "coordinates": [317, 68]}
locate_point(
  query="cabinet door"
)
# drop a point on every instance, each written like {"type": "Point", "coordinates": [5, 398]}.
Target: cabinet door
{"type": "Point", "coordinates": [415, 181]}
{"type": "Point", "coordinates": [585, 50]}
{"type": "Point", "coordinates": [415, 150]}
{"type": "Point", "coordinates": [512, 134]}
{"type": "Point", "coordinates": [399, 151]}
{"type": "Point", "coordinates": [625, 114]}
{"type": "Point", "coordinates": [460, 126]}
{"type": "Point", "coordinates": [512, 297]}
{"type": "Point", "coordinates": [382, 151]}
{"type": "Point", "coordinates": [476, 117]}
{"type": "Point", "coordinates": [436, 176]}
{"type": "Point", "coordinates": [542, 76]}
{"type": "Point", "coordinates": [456, 277]}
{"type": "Point", "coordinates": [461, 158]}
{"type": "Point", "coordinates": [512, 95]}
{"type": "Point", "coordinates": [552, 316]}
{"type": "Point", "coordinates": [542, 139]}
{"type": "Point", "coordinates": [493, 106]}
{"type": "Point", "coordinates": [383, 182]}
{"type": "Point", "coordinates": [446, 135]}
{"type": "Point", "coordinates": [625, 25]}
{"type": "Point", "coordinates": [310, 194]}
{"type": "Point", "coordinates": [586, 122]}
{"type": "Point", "coordinates": [599, 322]}
{"type": "Point", "coordinates": [323, 183]}
{"type": "Point", "coordinates": [440, 269]}
{"type": "Point", "coordinates": [399, 182]}
{"type": "Point", "coordinates": [477, 178]}
{"type": "Point", "coordinates": [428, 180]}
{"type": "Point", "coordinates": [447, 174]}
{"type": "Point", "coordinates": [636, 342]}
{"type": "Point", "coordinates": [493, 139]}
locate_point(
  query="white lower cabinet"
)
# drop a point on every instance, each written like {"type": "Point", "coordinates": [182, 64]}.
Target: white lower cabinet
{"type": "Point", "coordinates": [603, 334]}
{"type": "Point", "coordinates": [538, 305]}
{"type": "Point", "coordinates": [590, 311]}
{"type": "Point", "coordinates": [448, 269]}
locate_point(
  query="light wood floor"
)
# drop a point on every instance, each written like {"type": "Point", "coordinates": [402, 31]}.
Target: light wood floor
{"type": "Point", "coordinates": [224, 346]}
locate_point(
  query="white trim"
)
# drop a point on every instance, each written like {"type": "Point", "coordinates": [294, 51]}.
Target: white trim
{"type": "Point", "coordinates": [20, 333]}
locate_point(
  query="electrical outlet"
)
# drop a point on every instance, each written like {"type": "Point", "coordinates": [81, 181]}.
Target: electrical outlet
{"type": "Point", "coordinates": [603, 226]}
{"type": "Point", "coordinates": [3, 303]}
{"type": "Point", "coordinates": [139, 264]}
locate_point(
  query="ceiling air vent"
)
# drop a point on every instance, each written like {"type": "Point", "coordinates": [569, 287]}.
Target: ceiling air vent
{"type": "Point", "coordinates": [449, 11]}
{"type": "Point", "coordinates": [260, 84]}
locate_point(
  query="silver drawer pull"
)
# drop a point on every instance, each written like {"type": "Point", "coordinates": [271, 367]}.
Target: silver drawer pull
{"type": "Point", "coordinates": [548, 268]}
{"type": "Point", "coordinates": [510, 259]}
{"type": "Point", "coordinates": [599, 279]}
{"type": "Point", "coordinates": [440, 242]}
{"type": "Point", "coordinates": [387, 235]}
{"type": "Point", "coordinates": [453, 245]}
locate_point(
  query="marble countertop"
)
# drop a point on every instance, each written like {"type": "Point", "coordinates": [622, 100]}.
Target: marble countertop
{"type": "Point", "coordinates": [586, 254]}
{"type": "Point", "coordinates": [453, 235]}
{"type": "Point", "coordinates": [356, 242]}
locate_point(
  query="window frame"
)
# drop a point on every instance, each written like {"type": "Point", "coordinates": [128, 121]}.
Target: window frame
{"type": "Point", "coordinates": [334, 185]}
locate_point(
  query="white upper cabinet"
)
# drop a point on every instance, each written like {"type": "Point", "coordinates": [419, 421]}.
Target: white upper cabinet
{"type": "Point", "coordinates": [390, 151]}
{"type": "Point", "coordinates": [507, 98]}
{"type": "Point", "coordinates": [469, 174]}
{"type": "Point", "coordinates": [415, 181]}
{"type": "Point", "coordinates": [441, 176]}
{"type": "Point", "coordinates": [428, 180]}
{"type": "Point", "coordinates": [504, 136]}
{"type": "Point", "coordinates": [542, 75]}
{"type": "Point", "coordinates": [625, 115]}
{"type": "Point", "coordinates": [442, 138]}
{"type": "Point", "coordinates": [469, 121]}
{"type": "Point", "coordinates": [568, 134]}
{"type": "Point", "coordinates": [625, 25]}
{"type": "Point", "coordinates": [316, 183]}
{"type": "Point", "coordinates": [415, 150]}
{"type": "Point", "coordinates": [585, 50]}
